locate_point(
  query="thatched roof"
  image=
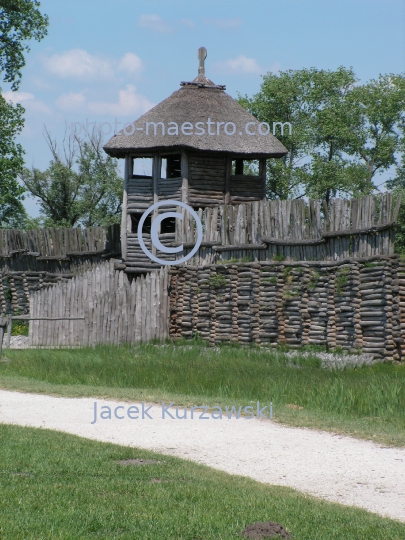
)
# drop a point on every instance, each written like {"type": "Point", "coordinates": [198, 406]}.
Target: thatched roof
{"type": "Point", "coordinates": [197, 101]}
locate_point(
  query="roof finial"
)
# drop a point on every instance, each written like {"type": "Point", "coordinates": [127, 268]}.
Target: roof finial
{"type": "Point", "coordinates": [201, 55]}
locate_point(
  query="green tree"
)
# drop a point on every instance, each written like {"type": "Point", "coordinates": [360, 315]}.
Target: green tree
{"type": "Point", "coordinates": [12, 212]}
{"type": "Point", "coordinates": [331, 170]}
{"type": "Point", "coordinates": [80, 187]}
{"type": "Point", "coordinates": [284, 98]}
{"type": "Point", "coordinates": [20, 22]}
{"type": "Point", "coordinates": [397, 185]}
{"type": "Point", "coordinates": [380, 111]}
{"type": "Point", "coordinates": [342, 133]}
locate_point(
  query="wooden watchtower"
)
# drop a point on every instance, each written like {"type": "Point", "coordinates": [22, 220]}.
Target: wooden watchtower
{"type": "Point", "coordinates": [196, 145]}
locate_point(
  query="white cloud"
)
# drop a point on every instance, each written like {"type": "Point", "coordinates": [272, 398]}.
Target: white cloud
{"type": "Point", "coordinates": [224, 23]}
{"type": "Point", "coordinates": [131, 63]}
{"type": "Point", "coordinates": [39, 83]}
{"type": "Point", "coordinates": [129, 103]}
{"type": "Point", "coordinates": [79, 63]}
{"type": "Point", "coordinates": [71, 101]}
{"type": "Point", "coordinates": [154, 22]}
{"type": "Point", "coordinates": [17, 97]}
{"type": "Point", "coordinates": [187, 22]}
{"type": "Point", "coordinates": [241, 65]}
{"type": "Point", "coordinates": [37, 106]}
{"type": "Point", "coordinates": [27, 100]}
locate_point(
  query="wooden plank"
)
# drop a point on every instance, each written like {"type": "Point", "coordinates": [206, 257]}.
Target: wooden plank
{"type": "Point", "coordinates": [263, 177]}
{"type": "Point", "coordinates": [184, 174]}
{"type": "Point", "coordinates": [228, 170]}
{"type": "Point", "coordinates": [125, 209]}
{"type": "Point", "coordinates": [240, 247]}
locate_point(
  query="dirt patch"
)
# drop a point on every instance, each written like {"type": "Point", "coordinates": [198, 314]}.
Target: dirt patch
{"type": "Point", "coordinates": [138, 462]}
{"type": "Point", "coordinates": [269, 529]}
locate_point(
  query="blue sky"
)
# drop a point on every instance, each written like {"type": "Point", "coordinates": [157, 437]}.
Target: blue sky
{"type": "Point", "coordinates": [105, 60]}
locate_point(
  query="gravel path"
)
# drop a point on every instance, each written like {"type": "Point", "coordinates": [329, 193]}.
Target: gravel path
{"type": "Point", "coordinates": [333, 467]}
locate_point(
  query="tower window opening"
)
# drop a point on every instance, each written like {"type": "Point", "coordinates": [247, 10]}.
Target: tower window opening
{"type": "Point", "coordinates": [171, 166]}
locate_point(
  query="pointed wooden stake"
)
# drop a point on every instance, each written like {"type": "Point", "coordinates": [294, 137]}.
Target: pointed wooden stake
{"type": "Point", "coordinates": [201, 55]}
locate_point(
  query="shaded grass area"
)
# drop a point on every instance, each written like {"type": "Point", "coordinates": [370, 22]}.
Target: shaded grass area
{"type": "Point", "coordinates": [55, 485]}
{"type": "Point", "coordinates": [365, 402]}
{"type": "Point", "coordinates": [20, 328]}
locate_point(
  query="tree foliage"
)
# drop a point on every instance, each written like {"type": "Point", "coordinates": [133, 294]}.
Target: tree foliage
{"type": "Point", "coordinates": [397, 185]}
{"type": "Point", "coordinates": [343, 133]}
{"type": "Point", "coordinates": [379, 112]}
{"type": "Point", "coordinates": [12, 212]}
{"type": "Point", "coordinates": [20, 22]}
{"type": "Point", "coordinates": [80, 187]}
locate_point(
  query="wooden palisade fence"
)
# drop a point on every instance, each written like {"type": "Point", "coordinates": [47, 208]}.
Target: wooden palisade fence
{"type": "Point", "coordinates": [115, 309]}
{"type": "Point", "coordinates": [294, 230]}
{"type": "Point", "coordinates": [268, 272]}
{"type": "Point", "coordinates": [32, 260]}
{"type": "Point", "coordinates": [53, 243]}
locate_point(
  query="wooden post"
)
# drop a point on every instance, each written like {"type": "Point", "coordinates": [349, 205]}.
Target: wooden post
{"type": "Point", "coordinates": [262, 174]}
{"type": "Point", "coordinates": [157, 161]}
{"type": "Point", "coordinates": [129, 176]}
{"type": "Point", "coordinates": [9, 328]}
{"type": "Point", "coordinates": [228, 171]}
{"type": "Point", "coordinates": [124, 226]}
{"type": "Point", "coordinates": [3, 322]}
{"type": "Point", "coordinates": [238, 167]}
{"type": "Point", "coordinates": [184, 174]}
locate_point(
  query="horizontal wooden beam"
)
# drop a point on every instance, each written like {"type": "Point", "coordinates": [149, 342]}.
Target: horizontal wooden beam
{"type": "Point", "coordinates": [138, 270]}
{"type": "Point", "coordinates": [192, 244]}
{"type": "Point", "coordinates": [239, 246]}
{"type": "Point", "coordinates": [78, 253]}
{"type": "Point", "coordinates": [303, 242]}
{"type": "Point", "coordinates": [28, 318]}
{"type": "Point", "coordinates": [53, 258]}
{"type": "Point", "coordinates": [353, 232]}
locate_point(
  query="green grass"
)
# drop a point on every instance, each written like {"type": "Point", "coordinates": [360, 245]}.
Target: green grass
{"type": "Point", "coordinates": [366, 403]}
{"type": "Point", "coordinates": [59, 486]}
{"type": "Point", "coordinates": [20, 328]}
{"type": "Point", "coordinates": [216, 281]}
{"type": "Point", "coordinates": [342, 277]}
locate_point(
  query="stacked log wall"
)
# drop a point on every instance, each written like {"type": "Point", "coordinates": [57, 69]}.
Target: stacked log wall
{"type": "Point", "coordinates": [206, 182]}
{"type": "Point", "coordinates": [140, 194]}
{"type": "Point", "coordinates": [245, 188]}
{"type": "Point", "coordinates": [351, 305]}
